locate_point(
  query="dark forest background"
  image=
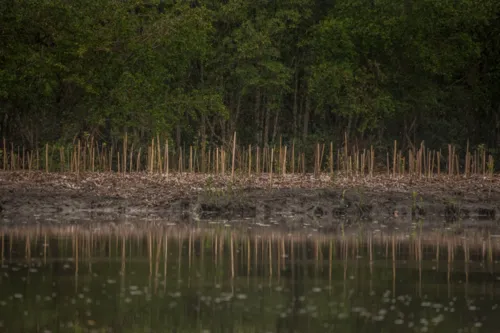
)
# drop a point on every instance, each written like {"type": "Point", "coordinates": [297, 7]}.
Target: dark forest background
{"type": "Point", "coordinates": [303, 70]}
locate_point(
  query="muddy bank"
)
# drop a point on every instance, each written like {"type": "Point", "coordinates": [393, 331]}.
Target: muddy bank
{"type": "Point", "coordinates": [32, 197]}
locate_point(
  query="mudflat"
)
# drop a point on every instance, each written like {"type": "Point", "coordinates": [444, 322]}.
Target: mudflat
{"type": "Point", "coordinates": [31, 197]}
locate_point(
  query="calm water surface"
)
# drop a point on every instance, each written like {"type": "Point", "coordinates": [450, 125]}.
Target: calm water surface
{"type": "Point", "coordinates": [172, 279]}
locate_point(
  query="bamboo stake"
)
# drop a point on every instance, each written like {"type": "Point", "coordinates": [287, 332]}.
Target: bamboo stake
{"type": "Point", "coordinates": [124, 163]}
{"type": "Point", "coordinates": [166, 157]}
{"type": "Point", "coordinates": [439, 162]}
{"type": "Point", "coordinates": [234, 153]}
{"type": "Point", "coordinates": [47, 157]}
{"type": "Point", "coordinates": [158, 144]}
{"type": "Point", "coordinates": [249, 160]}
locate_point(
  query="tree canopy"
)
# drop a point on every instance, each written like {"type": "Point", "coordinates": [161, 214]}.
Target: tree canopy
{"type": "Point", "coordinates": [197, 71]}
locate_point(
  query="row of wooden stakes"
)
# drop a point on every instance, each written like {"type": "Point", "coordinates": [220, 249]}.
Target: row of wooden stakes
{"type": "Point", "coordinates": [159, 157]}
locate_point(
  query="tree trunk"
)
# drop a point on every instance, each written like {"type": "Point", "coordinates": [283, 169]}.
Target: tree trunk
{"type": "Point", "coordinates": [203, 133]}
{"type": "Point", "coordinates": [258, 132]}
{"type": "Point", "coordinates": [295, 102]}
{"type": "Point", "coordinates": [266, 124]}
{"type": "Point", "coordinates": [307, 111]}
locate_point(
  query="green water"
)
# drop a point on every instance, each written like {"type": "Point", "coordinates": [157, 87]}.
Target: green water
{"type": "Point", "coordinates": [169, 280]}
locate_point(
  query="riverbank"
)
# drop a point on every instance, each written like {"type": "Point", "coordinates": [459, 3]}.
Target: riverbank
{"type": "Point", "coordinates": [37, 196]}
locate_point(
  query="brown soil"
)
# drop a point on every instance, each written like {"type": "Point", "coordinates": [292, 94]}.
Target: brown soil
{"type": "Point", "coordinates": [35, 197]}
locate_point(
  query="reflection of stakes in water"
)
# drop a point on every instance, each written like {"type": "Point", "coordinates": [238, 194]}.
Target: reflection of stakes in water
{"type": "Point", "coordinates": [248, 258]}
{"type": "Point", "coordinates": [215, 248]}
{"type": "Point", "coordinates": [157, 260]}
{"type": "Point", "coordinates": [346, 254]}
{"type": "Point", "coordinates": [221, 249]}
{"type": "Point", "coordinates": [420, 254]}
{"type": "Point", "coordinates": [232, 256]}
{"type": "Point", "coordinates": [123, 256]}
{"type": "Point", "coordinates": [316, 257]}
{"type": "Point", "coordinates": [438, 246]}
{"type": "Point", "coordinates": [150, 254]}
{"type": "Point", "coordinates": [283, 250]}
{"type": "Point", "coordinates": [165, 262]}
{"type": "Point", "coordinates": [483, 254]}
{"type": "Point", "coordinates": [123, 261]}
{"type": "Point", "coordinates": [201, 239]}
{"type": "Point", "coordinates": [11, 241]}
{"type": "Point", "coordinates": [256, 256]}
{"type": "Point", "coordinates": [393, 265]}
{"type": "Point", "coordinates": [27, 248]}
{"type": "Point", "coordinates": [90, 242]}
{"type": "Point", "coordinates": [45, 245]}
{"type": "Point", "coordinates": [278, 266]}
{"type": "Point", "coordinates": [449, 267]}
{"type": "Point", "coordinates": [292, 255]}
{"type": "Point", "coordinates": [270, 257]}
{"type": "Point", "coordinates": [76, 252]}
{"type": "Point", "coordinates": [370, 250]}
{"type": "Point", "coordinates": [490, 253]}
{"type": "Point", "coordinates": [330, 261]}
{"type": "Point", "coordinates": [189, 250]}
{"type": "Point", "coordinates": [180, 241]}
{"type": "Point", "coordinates": [466, 264]}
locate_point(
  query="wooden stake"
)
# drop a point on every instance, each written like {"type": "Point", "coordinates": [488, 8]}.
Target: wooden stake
{"type": "Point", "coordinates": [234, 154]}
{"type": "Point", "coordinates": [47, 157]}
{"type": "Point", "coordinates": [124, 163]}
{"type": "Point", "coordinates": [249, 160]}
{"type": "Point", "coordinates": [271, 169]}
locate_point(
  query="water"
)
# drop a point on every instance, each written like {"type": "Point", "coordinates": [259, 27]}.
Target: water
{"type": "Point", "coordinates": [172, 279]}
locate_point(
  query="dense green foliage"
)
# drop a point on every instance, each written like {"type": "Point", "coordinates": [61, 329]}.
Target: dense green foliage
{"type": "Point", "coordinates": [198, 70]}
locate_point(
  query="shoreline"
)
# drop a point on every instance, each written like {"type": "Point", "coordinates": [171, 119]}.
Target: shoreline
{"type": "Point", "coordinates": [28, 197]}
